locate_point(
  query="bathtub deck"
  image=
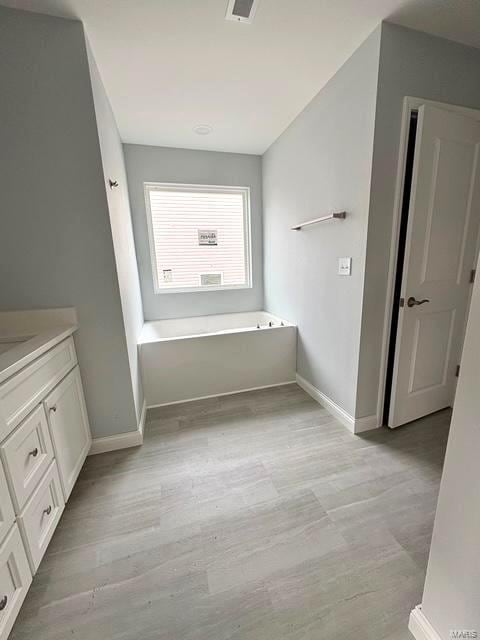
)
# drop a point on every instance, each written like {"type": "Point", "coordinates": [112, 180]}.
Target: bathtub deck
{"type": "Point", "coordinates": [247, 517]}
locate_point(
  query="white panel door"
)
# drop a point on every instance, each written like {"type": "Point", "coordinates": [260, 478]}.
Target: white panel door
{"type": "Point", "coordinates": [439, 256]}
{"type": "Point", "coordinates": [69, 428]}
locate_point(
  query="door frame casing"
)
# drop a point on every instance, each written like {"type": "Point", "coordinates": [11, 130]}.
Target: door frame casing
{"type": "Point", "coordinates": [410, 104]}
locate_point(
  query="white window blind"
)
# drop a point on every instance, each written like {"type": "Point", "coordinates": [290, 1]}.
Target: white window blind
{"type": "Point", "coordinates": [199, 237]}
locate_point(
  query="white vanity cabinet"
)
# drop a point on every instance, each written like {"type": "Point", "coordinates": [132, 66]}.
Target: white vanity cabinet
{"type": "Point", "coordinates": [44, 440]}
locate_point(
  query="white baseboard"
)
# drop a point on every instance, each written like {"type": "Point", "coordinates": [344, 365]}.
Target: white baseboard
{"type": "Point", "coordinates": [120, 440]}
{"type": "Point", "coordinates": [355, 425]}
{"type": "Point", "coordinates": [420, 627]}
{"type": "Point", "coordinates": [218, 395]}
{"type": "Point", "coordinates": [332, 407]}
{"type": "Point", "coordinates": [366, 424]}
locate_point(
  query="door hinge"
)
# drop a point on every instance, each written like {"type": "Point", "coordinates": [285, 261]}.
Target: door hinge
{"type": "Point", "coordinates": [472, 275]}
{"type": "Point", "coordinates": [457, 371]}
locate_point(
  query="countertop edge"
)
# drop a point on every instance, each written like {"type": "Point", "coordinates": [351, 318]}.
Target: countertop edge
{"type": "Point", "coordinates": [12, 361]}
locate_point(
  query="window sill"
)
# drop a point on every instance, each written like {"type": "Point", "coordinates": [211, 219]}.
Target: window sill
{"type": "Point", "coordinates": [240, 287]}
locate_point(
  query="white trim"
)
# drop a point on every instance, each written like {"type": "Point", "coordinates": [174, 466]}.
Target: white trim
{"type": "Point", "coordinates": [332, 407]}
{"type": "Point", "coordinates": [397, 208]}
{"type": "Point", "coordinates": [366, 424]}
{"type": "Point", "coordinates": [354, 425]}
{"type": "Point", "coordinates": [173, 186]}
{"type": "Point", "coordinates": [409, 104]}
{"type": "Point", "coordinates": [416, 103]}
{"type": "Point", "coordinates": [420, 627]}
{"type": "Point", "coordinates": [120, 440]}
{"type": "Point", "coordinates": [218, 395]}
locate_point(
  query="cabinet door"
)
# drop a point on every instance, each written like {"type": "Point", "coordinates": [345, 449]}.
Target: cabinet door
{"type": "Point", "coordinates": [41, 515]}
{"type": "Point", "coordinates": [69, 429]}
{"type": "Point", "coordinates": [15, 579]}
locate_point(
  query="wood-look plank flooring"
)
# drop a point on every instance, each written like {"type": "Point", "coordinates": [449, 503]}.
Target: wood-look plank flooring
{"type": "Point", "coordinates": [248, 517]}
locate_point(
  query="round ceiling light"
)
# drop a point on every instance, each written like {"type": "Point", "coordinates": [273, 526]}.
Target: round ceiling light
{"type": "Point", "coordinates": [203, 129]}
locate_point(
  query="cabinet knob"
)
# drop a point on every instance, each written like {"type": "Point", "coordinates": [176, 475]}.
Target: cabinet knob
{"type": "Point", "coordinates": [34, 452]}
{"type": "Point", "coordinates": [53, 408]}
{"type": "Point", "coordinates": [48, 510]}
{"type": "Point", "coordinates": [3, 603]}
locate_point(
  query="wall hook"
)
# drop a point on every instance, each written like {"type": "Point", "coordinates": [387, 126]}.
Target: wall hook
{"type": "Point", "coordinates": [112, 183]}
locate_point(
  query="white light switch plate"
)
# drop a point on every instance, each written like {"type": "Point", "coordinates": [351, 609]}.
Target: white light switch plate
{"type": "Point", "coordinates": [344, 266]}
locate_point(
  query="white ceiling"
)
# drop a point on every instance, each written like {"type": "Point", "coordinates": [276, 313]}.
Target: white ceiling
{"type": "Point", "coordinates": [169, 65]}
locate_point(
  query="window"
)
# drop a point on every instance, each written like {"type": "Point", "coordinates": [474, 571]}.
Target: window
{"type": "Point", "coordinates": [199, 237]}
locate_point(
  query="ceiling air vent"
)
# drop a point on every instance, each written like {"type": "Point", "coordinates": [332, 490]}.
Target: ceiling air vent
{"type": "Point", "coordinates": [241, 10]}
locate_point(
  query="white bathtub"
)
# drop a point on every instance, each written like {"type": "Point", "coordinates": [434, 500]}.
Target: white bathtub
{"type": "Point", "coordinates": [193, 358]}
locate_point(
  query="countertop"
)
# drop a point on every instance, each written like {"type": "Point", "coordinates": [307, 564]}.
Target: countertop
{"type": "Point", "coordinates": [26, 335]}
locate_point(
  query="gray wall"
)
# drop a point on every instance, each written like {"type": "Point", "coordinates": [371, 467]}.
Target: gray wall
{"type": "Point", "coordinates": [161, 164]}
{"type": "Point", "coordinates": [322, 162]}
{"type": "Point", "coordinates": [55, 242]}
{"type": "Point", "coordinates": [451, 599]}
{"type": "Point", "coordinates": [121, 225]}
{"type": "Point", "coordinates": [411, 64]}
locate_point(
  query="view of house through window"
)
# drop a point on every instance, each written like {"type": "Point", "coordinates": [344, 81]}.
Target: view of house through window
{"type": "Point", "coordinates": [199, 237]}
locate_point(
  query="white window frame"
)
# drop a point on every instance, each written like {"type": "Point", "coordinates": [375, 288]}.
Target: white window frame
{"type": "Point", "coordinates": [173, 186]}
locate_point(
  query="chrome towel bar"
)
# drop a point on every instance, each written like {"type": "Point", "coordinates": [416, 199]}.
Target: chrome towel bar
{"type": "Point", "coordinates": [341, 215]}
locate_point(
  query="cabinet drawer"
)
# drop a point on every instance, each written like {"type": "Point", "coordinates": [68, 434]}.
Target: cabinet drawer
{"type": "Point", "coordinates": [40, 517]}
{"type": "Point", "coordinates": [7, 515]}
{"type": "Point", "coordinates": [15, 579]}
{"type": "Point", "coordinates": [20, 393]}
{"type": "Point", "coordinates": [26, 455]}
